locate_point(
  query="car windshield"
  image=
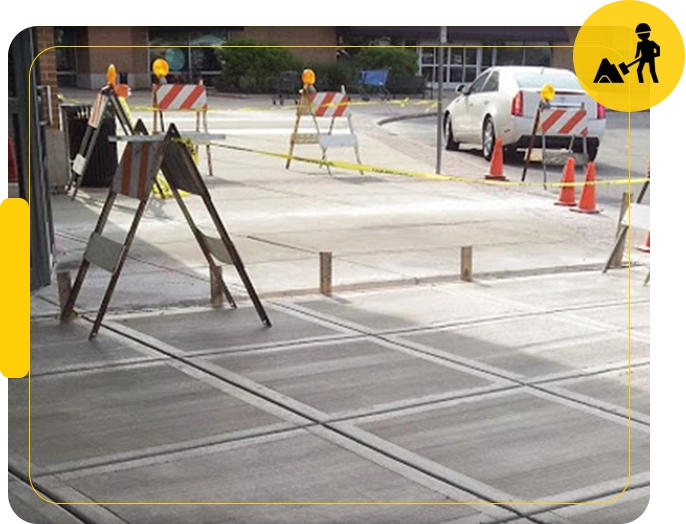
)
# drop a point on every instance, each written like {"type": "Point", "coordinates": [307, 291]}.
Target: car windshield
{"type": "Point", "coordinates": [537, 79]}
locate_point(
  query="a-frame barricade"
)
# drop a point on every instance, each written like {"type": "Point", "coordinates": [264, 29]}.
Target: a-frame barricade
{"type": "Point", "coordinates": [143, 156]}
{"type": "Point", "coordinates": [106, 100]}
{"type": "Point", "coordinates": [640, 218]}
{"type": "Point", "coordinates": [333, 105]}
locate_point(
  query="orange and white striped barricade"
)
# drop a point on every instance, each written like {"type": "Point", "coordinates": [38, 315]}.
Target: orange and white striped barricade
{"type": "Point", "coordinates": [551, 119]}
{"type": "Point", "coordinates": [106, 100]}
{"type": "Point", "coordinates": [143, 157]}
{"type": "Point", "coordinates": [323, 105]}
{"type": "Point", "coordinates": [182, 97]}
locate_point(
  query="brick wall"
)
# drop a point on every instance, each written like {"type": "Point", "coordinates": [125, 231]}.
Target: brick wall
{"type": "Point", "coordinates": [563, 57]}
{"type": "Point", "coordinates": [47, 67]}
{"type": "Point", "coordinates": [305, 36]}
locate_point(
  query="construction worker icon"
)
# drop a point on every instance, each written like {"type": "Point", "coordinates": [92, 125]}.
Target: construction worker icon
{"type": "Point", "coordinates": [646, 52]}
{"type": "Point", "coordinates": [611, 36]}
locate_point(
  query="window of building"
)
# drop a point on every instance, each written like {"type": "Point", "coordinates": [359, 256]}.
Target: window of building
{"type": "Point", "coordinates": [461, 64]}
{"type": "Point", "coordinates": [521, 53]}
{"type": "Point", "coordinates": [66, 56]}
{"type": "Point", "coordinates": [190, 54]}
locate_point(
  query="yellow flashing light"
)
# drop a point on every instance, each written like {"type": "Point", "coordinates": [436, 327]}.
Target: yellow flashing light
{"type": "Point", "coordinates": [308, 77]}
{"type": "Point", "coordinates": [160, 67]}
{"type": "Point", "coordinates": [111, 75]}
{"type": "Point", "coordinates": [547, 93]}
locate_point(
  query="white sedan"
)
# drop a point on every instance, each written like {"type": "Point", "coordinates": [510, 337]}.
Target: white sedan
{"type": "Point", "coordinates": [502, 103]}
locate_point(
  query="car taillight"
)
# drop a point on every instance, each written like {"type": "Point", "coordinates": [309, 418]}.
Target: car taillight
{"type": "Point", "coordinates": [601, 111]}
{"type": "Point", "coordinates": [518, 104]}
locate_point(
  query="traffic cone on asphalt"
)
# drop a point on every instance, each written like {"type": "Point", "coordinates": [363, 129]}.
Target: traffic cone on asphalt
{"type": "Point", "coordinates": [645, 248]}
{"type": "Point", "coordinates": [567, 195]}
{"type": "Point", "coordinates": [587, 199]}
{"type": "Point", "coordinates": [495, 171]}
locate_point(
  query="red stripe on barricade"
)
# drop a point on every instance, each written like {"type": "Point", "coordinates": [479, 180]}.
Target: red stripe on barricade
{"type": "Point", "coordinates": [324, 105]}
{"type": "Point", "coordinates": [195, 93]}
{"type": "Point", "coordinates": [143, 170]}
{"type": "Point", "coordinates": [126, 162]}
{"type": "Point", "coordinates": [550, 121]}
{"type": "Point", "coordinates": [342, 106]}
{"type": "Point", "coordinates": [170, 97]}
{"type": "Point", "coordinates": [572, 123]}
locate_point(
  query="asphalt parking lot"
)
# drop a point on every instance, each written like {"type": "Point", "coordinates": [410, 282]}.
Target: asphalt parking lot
{"type": "Point", "coordinates": [622, 152]}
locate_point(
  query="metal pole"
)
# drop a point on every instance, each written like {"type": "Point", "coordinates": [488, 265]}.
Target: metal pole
{"type": "Point", "coordinates": [439, 116]}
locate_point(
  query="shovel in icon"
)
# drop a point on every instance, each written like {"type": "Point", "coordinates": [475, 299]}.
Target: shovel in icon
{"type": "Point", "coordinates": [625, 68]}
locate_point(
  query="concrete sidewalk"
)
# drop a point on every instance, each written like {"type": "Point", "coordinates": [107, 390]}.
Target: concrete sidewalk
{"type": "Point", "coordinates": [406, 386]}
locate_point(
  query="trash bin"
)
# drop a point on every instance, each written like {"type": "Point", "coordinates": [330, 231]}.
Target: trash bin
{"type": "Point", "coordinates": [103, 161]}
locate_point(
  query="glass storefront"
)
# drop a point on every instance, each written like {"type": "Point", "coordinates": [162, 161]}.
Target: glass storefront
{"type": "Point", "coordinates": [66, 56]}
{"type": "Point", "coordinates": [189, 52]}
{"type": "Point", "coordinates": [464, 64]}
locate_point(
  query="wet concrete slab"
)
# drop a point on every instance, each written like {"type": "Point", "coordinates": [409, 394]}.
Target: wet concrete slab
{"type": "Point", "coordinates": [529, 446]}
{"type": "Point", "coordinates": [626, 507]}
{"type": "Point", "coordinates": [612, 389]}
{"type": "Point", "coordinates": [299, 467]}
{"type": "Point", "coordinates": [225, 329]}
{"type": "Point", "coordinates": [530, 346]}
{"type": "Point", "coordinates": [28, 506]}
{"type": "Point", "coordinates": [59, 347]}
{"type": "Point", "coordinates": [338, 377]}
{"type": "Point", "coordinates": [409, 307]}
{"type": "Point", "coordinates": [92, 415]}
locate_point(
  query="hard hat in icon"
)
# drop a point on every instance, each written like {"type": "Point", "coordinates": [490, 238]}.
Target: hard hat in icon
{"type": "Point", "coordinates": [642, 28]}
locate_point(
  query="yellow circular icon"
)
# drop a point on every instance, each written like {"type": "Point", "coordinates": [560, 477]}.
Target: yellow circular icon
{"type": "Point", "coordinates": [629, 55]}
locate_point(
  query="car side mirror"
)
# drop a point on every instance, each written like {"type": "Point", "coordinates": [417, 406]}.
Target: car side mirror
{"type": "Point", "coordinates": [462, 89]}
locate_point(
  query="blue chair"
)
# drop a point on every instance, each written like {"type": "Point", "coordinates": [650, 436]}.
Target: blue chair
{"type": "Point", "coordinates": [373, 81]}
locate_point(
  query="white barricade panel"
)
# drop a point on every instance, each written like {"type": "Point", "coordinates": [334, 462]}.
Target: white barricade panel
{"type": "Point", "coordinates": [640, 217]}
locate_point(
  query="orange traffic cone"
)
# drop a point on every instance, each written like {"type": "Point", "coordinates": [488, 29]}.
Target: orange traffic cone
{"type": "Point", "coordinates": [587, 199]}
{"type": "Point", "coordinates": [496, 169]}
{"type": "Point", "coordinates": [646, 247]}
{"type": "Point", "coordinates": [567, 196]}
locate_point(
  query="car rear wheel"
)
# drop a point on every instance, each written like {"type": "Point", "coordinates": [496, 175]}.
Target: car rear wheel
{"type": "Point", "coordinates": [488, 138]}
{"type": "Point", "coordinates": [448, 138]}
{"type": "Point", "coordinates": [592, 152]}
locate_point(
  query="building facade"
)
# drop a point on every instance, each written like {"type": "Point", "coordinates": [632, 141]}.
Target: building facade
{"type": "Point", "coordinates": [82, 54]}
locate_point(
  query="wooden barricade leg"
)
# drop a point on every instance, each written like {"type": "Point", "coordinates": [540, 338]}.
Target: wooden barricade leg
{"type": "Point", "coordinates": [214, 268]}
{"type": "Point", "coordinates": [120, 264]}
{"type": "Point", "coordinates": [534, 130]}
{"type": "Point", "coordinates": [207, 147]}
{"type": "Point", "coordinates": [237, 262]}
{"type": "Point", "coordinates": [83, 269]}
{"type": "Point", "coordinates": [621, 235]}
{"type": "Point", "coordinates": [91, 137]}
{"type": "Point", "coordinates": [298, 114]}
{"type": "Point", "coordinates": [357, 148]}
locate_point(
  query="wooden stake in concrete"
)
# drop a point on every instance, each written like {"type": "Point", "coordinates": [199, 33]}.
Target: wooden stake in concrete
{"type": "Point", "coordinates": [466, 263]}
{"type": "Point", "coordinates": [325, 272]}
{"type": "Point", "coordinates": [216, 290]}
{"type": "Point", "coordinates": [63, 287]}
{"type": "Point", "coordinates": [618, 254]}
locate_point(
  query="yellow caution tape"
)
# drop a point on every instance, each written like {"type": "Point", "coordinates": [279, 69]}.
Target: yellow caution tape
{"type": "Point", "coordinates": [426, 176]}
{"type": "Point", "coordinates": [402, 103]}
{"type": "Point", "coordinates": [163, 190]}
